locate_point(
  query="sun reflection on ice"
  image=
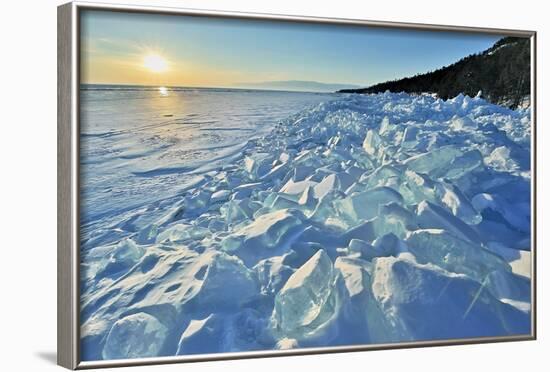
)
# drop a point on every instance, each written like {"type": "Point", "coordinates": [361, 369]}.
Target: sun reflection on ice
{"type": "Point", "coordinates": [163, 91]}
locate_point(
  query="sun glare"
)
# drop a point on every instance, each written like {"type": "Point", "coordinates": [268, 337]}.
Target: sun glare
{"type": "Point", "coordinates": [163, 91]}
{"type": "Point", "coordinates": [155, 63]}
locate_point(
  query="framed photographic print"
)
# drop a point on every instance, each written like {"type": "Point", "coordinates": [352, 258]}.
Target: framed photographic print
{"type": "Point", "coordinates": [241, 185]}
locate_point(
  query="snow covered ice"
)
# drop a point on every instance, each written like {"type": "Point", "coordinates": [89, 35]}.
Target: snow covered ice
{"type": "Point", "coordinates": [361, 219]}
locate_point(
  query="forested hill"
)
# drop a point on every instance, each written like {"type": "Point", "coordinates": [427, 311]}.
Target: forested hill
{"type": "Point", "coordinates": [501, 73]}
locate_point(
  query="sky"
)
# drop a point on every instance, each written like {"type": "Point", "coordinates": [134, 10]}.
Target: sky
{"type": "Point", "coordinates": [159, 49]}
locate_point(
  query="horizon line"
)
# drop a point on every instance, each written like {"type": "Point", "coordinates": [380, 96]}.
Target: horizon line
{"type": "Point", "coordinates": [205, 87]}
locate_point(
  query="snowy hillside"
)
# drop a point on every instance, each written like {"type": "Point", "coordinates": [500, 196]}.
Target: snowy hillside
{"type": "Point", "coordinates": [366, 219]}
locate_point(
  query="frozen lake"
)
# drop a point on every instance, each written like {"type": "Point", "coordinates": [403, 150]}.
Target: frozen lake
{"type": "Point", "coordinates": [142, 144]}
{"type": "Point", "coordinates": [228, 221]}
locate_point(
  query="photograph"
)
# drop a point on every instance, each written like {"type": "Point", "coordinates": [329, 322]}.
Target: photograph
{"type": "Point", "coordinates": [252, 184]}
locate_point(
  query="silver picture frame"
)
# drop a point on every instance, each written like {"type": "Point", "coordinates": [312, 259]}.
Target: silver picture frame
{"type": "Point", "coordinates": [68, 185]}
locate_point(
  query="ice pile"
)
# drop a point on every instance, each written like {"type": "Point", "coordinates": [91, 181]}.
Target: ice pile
{"type": "Point", "coordinates": [367, 219]}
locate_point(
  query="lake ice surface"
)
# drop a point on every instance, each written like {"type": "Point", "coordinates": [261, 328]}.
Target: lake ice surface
{"type": "Point", "coordinates": [141, 144]}
{"type": "Point", "coordinates": [226, 221]}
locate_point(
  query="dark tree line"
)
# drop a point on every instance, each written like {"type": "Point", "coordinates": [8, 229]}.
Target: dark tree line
{"type": "Point", "coordinates": [502, 73]}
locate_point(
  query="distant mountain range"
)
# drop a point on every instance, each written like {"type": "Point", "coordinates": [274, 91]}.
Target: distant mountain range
{"type": "Point", "coordinates": [297, 85]}
{"type": "Point", "coordinates": [502, 73]}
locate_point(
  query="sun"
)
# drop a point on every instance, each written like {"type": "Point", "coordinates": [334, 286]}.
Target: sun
{"type": "Point", "coordinates": [155, 63]}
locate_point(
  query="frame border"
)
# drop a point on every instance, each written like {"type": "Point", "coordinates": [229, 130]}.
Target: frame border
{"type": "Point", "coordinates": [68, 181]}
{"type": "Point", "coordinates": [67, 192]}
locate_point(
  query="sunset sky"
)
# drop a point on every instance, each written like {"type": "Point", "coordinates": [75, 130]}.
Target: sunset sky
{"type": "Point", "coordinates": [150, 49]}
